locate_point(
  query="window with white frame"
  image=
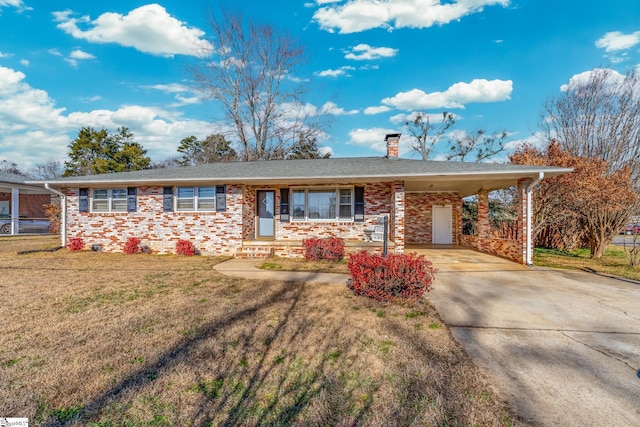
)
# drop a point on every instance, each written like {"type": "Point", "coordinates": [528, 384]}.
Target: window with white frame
{"type": "Point", "coordinates": [322, 204]}
{"type": "Point", "coordinates": [196, 199]}
{"type": "Point", "coordinates": [109, 200]}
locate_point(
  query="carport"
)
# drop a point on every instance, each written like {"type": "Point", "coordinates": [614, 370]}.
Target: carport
{"type": "Point", "coordinates": [21, 204]}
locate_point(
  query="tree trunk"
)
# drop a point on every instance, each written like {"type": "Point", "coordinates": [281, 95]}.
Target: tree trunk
{"type": "Point", "coordinates": [597, 248]}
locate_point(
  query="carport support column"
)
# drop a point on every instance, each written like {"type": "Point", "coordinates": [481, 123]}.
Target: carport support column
{"type": "Point", "coordinates": [483, 218]}
{"type": "Point", "coordinates": [524, 218]}
{"type": "Point", "coordinates": [15, 210]}
{"type": "Point", "coordinates": [397, 219]}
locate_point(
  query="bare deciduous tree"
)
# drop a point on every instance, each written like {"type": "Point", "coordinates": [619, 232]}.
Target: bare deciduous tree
{"type": "Point", "coordinates": [599, 117]}
{"type": "Point", "coordinates": [49, 170]}
{"type": "Point", "coordinates": [426, 136]}
{"type": "Point", "coordinates": [250, 72]}
{"type": "Point", "coordinates": [482, 145]}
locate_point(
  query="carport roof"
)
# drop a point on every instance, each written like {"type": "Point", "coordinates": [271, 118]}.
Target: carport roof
{"type": "Point", "coordinates": [418, 175]}
{"type": "Point", "coordinates": [9, 181]}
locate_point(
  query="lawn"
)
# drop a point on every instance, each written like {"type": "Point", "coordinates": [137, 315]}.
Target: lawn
{"type": "Point", "coordinates": [614, 262]}
{"type": "Point", "coordinates": [104, 339]}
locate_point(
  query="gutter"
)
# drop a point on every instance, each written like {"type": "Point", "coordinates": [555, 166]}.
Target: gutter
{"type": "Point", "coordinates": [63, 214]}
{"type": "Point", "coordinates": [529, 237]}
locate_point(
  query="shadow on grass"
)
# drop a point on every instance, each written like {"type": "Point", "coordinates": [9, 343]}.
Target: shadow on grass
{"type": "Point", "coordinates": [227, 401]}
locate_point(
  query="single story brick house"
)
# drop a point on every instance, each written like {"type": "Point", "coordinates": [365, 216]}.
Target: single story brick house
{"type": "Point", "coordinates": [268, 207]}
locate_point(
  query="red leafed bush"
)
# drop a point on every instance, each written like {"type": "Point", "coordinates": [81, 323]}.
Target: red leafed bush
{"type": "Point", "coordinates": [402, 276]}
{"type": "Point", "coordinates": [132, 246]}
{"type": "Point", "coordinates": [329, 249]}
{"type": "Point", "coordinates": [75, 244]}
{"type": "Point", "coordinates": [185, 247]}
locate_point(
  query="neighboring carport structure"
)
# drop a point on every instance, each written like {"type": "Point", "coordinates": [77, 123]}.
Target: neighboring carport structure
{"type": "Point", "coordinates": [20, 202]}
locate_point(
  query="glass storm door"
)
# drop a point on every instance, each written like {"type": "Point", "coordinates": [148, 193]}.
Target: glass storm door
{"type": "Point", "coordinates": [266, 201]}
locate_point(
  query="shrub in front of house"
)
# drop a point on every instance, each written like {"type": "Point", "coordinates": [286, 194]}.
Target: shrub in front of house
{"type": "Point", "coordinates": [75, 244]}
{"type": "Point", "coordinates": [185, 247]}
{"type": "Point", "coordinates": [327, 249]}
{"type": "Point", "coordinates": [132, 246]}
{"type": "Point", "coordinates": [396, 276]}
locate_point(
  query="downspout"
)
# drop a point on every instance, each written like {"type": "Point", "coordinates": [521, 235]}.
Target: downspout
{"type": "Point", "coordinates": [63, 214]}
{"type": "Point", "coordinates": [529, 237]}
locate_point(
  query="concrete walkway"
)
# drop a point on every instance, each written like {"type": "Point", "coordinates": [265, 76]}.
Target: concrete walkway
{"type": "Point", "coordinates": [246, 268]}
{"type": "Point", "coordinates": [563, 347]}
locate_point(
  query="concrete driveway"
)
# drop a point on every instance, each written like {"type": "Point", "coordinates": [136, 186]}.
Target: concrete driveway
{"type": "Point", "coordinates": [562, 347]}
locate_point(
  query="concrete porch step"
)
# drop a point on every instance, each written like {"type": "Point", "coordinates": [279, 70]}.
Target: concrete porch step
{"type": "Point", "coordinates": [254, 252]}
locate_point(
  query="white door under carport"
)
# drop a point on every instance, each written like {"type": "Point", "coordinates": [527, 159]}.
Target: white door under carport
{"type": "Point", "coordinates": [441, 225]}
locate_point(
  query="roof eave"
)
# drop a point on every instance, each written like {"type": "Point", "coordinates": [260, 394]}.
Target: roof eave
{"type": "Point", "coordinates": [549, 172]}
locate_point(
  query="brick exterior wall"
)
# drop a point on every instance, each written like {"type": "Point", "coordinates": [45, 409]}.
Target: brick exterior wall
{"type": "Point", "coordinates": [30, 205]}
{"type": "Point", "coordinates": [210, 232]}
{"type": "Point", "coordinates": [218, 233]}
{"type": "Point", "coordinates": [398, 224]}
{"type": "Point", "coordinates": [509, 249]}
{"type": "Point", "coordinates": [419, 211]}
{"type": "Point", "coordinates": [514, 250]}
{"type": "Point", "coordinates": [377, 198]}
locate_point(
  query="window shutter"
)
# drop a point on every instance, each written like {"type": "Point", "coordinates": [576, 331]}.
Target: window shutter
{"type": "Point", "coordinates": [284, 205]}
{"type": "Point", "coordinates": [132, 199]}
{"type": "Point", "coordinates": [358, 208]}
{"type": "Point", "coordinates": [221, 198]}
{"type": "Point", "coordinates": [167, 200]}
{"type": "Point", "coordinates": [84, 200]}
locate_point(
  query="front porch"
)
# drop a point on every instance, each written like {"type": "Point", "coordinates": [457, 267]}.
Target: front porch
{"type": "Point", "coordinates": [294, 248]}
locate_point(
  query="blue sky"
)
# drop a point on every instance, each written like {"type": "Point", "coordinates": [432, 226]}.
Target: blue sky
{"type": "Point", "coordinates": [371, 63]}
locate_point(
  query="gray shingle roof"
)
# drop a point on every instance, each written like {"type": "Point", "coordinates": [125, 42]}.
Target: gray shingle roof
{"type": "Point", "coordinates": [12, 178]}
{"type": "Point", "coordinates": [355, 168]}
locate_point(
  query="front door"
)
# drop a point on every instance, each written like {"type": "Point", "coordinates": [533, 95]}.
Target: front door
{"type": "Point", "coordinates": [441, 224]}
{"type": "Point", "coordinates": [266, 200]}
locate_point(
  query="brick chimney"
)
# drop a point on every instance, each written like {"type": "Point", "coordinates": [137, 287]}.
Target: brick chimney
{"type": "Point", "coordinates": [392, 140]}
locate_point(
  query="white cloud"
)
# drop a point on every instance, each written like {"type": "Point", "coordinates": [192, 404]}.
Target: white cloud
{"type": "Point", "coordinates": [33, 129]}
{"type": "Point", "coordinates": [5, 55]}
{"type": "Point", "coordinates": [55, 52]}
{"type": "Point", "coordinates": [18, 4]}
{"type": "Point", "coordinates": [292, 110]}
{"type": "Point", "coordinates": [342, 71]}
{"type": "Point", "coordinates": [363, 52]}
{"type": "Point", "coordinates": [91, 99]}
{"type": "Point", "coordinates": [583, 78]}
{"type": "Point", "coordinates": [325, 150]}
{"type": "Point", "coordinates": [184, 100]}
{"type": "Point", "coordinates": [149, 29]}
{"type": "Point", "coordinates": [79, 54]}
{"type": "Point", "coordinates": [14, 3]}
{"type": "Point", "coordinates": [537, 140]}
{"type": "Point", "coordinates": [169, 88]}
{"type": "Point", "coordinates": [373, 138]}
{"type": "Point", "coordinates": [456, 96]}
{"type": "Point", "coordinates": [333, 109]}
{"type": "Point", "coordinates": [179, 90]}
{"type": "Point", "coordinates": [434, 118]}
{"type": "Point", "coordinates": [376, 110]}
{"type": "Point", "coordinates": [25, 62]}
{"type": "Point", "coordinates": [615, 41]}
{"type": "Point", "coordinates": [360, 15]}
